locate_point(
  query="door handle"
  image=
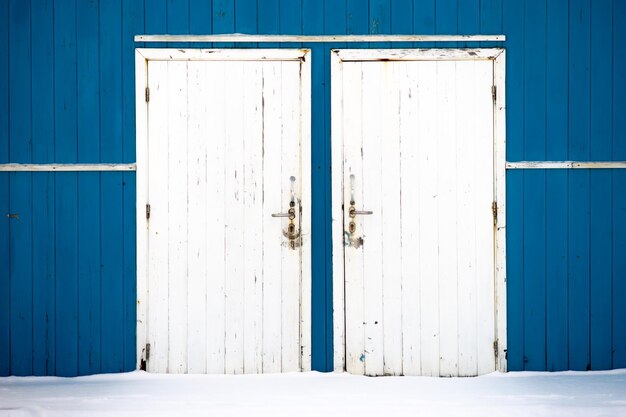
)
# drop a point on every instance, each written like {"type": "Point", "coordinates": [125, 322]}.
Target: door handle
{"type": "Point", "coordinates": [354, 212]}
{"type": "Point", "coordinates": [291, 214]}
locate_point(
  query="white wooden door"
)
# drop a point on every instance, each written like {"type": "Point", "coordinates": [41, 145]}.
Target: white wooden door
{"type": "Point", "coordinates": [417, 186]}
{"type": "Point", "coordinates": [227, 270]}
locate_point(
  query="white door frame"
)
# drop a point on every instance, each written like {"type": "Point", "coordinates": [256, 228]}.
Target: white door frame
{"type": "Point", "coordinates": [142, 56]}
{"type": "Point", "coordinates": [497, 55]}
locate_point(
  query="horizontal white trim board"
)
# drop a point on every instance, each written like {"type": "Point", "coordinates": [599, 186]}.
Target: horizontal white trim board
{"type": "Point", "coordinates": [66, 167]}
{"type": "Point", "coordinates": [240, 37]}
{"type": "Point", "coordinates": [565, 164]}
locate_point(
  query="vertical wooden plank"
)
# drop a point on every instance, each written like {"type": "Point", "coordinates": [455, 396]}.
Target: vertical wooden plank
{"type": "Point", "coordinates": [223, 19]}
{"type": "Point", "coordinates": [158, 184]}
{"type": "Point", "coordinates": [424, 20]}
{"type": "Point", "coordinates": [200, 19]}
{"type": "Point", "coordinates": [534, 186]}
{"type": "Point", "coordinates": [246, 20]}
{"type": "Point", "coordinates": [88, 119]}
{"type": "Point", "coordinates": [252, 110]}
{"type": "Point", "coordinates": [111, 192]}
{"type": "Point", "coordinates": [198, 275]}
{"type": "Point", "coordinates": [321, 275]}
{"type": "Point", "coordinates": [428, 216]}
{"type": "Point", "coordinates": [305, 223]}
{"type": "Point", "coordinates": [133, 13]}
{"type": "Point", "coordinates": [468, 149]}
{"type": "Point", "coordinates": [380, 18]}
{"type": "Point", "coordinates": [578, 198]}
{"type": "Point", "coordinates": [391, 212]}
{"type": "Point", "coordinates": [20, 190]}
{"type": "Point", "coordinates": [491, 19]}
{"type": "Point", "coordinates": [215, 226]}
{"type": "Point", "coordinates": [484, 196]}
{"type": "Point", "coordinates": [372, 225]}
{"type": "Point", "coordinates": [601, 185]}
{"type": "Point", "coordinates": [233, 215]}
{"type": "Point", "coordinates": [352, 109]}
{"type": "Point", "coordinates": [156, 19]}
{"type": "Point", "coordinates": [409, 209]}
{"type": "Point", "coordinates": [177, 20]}
{"type": "Point", "coordinates": [43, 188]}
{"type": "Point", "coordinates": [177, 214]}
{"type": "Point", "coordinates": [401, 18]}
{"type": "Point", "coordinates": [66, 189]}
{"type": "Point", "coordinates": [468, 20]}
{"type": "Point", "coordinates": [556, 187]}
{"type": "Point", "coordinates": [273, 179]}
{"type": "Point", "coordinates": [291, 273]}
{"type": "Point", "coordinates": [619, 184]}
{"type": "Point", "coordinates": [513, 26]}
{"type": "Point", "coordinates": [357, 22]}
{"type": "Point", "coordinates": [331, 23]}
{"type": "Point", "coordinates": [446, 19]}
{"type": "Point", "coordinates": [5, 299]}
{"type": "Point", "coordinates": [268, 19]}
{"type": "Point", "coordinates": [446, 199]}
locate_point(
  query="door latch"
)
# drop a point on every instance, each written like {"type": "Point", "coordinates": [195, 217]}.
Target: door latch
{"type": "Point", "coordinates": [291, 233]}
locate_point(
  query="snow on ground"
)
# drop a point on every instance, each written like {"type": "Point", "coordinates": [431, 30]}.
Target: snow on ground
{"type": "Point", "coordinates": [315, 394]}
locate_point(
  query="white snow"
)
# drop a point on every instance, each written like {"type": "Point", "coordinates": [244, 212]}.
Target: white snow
{"type": "Point", "coordinates": [315, 394]}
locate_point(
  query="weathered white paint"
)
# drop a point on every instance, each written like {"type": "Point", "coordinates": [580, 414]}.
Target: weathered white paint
{"type": "Point", "coordinates": [219, 288]}
{"type": "Point", "coordinates": [240, 37]}
{"type": "Point", "coordinates": [66, 167]}
{"type": "Point", "coordinates": [424, 294]}
{"type": "Point", "coordinates": [566, 165]}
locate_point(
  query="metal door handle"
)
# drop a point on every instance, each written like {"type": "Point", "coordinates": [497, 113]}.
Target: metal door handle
{"type": "Point", "coordinates": [354, 212]}
{"type": "Point", "coordinates": [291, 214]}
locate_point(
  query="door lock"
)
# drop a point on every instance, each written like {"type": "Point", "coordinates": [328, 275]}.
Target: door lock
{"type": "Point", "coordinates": [291, 233]}
{"type": "Point", "coordinates": [352, 211]}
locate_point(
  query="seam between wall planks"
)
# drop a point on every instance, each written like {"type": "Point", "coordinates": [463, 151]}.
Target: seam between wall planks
{"type": "Point", "coordinates": [566, 165]}
{"type": "Point", "coordinates": [66, 167]}
{"type": "Point", "coordinates": [240, 37]}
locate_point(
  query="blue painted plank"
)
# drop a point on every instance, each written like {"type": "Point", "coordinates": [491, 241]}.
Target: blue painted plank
{"type": "Point", "coordinates": [66, 188]}
{"type": "Point", "coordinates": [468, 20]}
{"type": "Point", "coordinates": [290, 20]}
{"type": "Point", "coordinates": [43, 188]}
{"type": "Point", "coordinates": [513, 13]}
{"type": "Point", "coordinates": [424, 20]}
{"type": "Point", "coordinates": [132, 23]}
{"type": "Point", "coordinates": [534, 186]}
{"type": "Point", "coordinates": [156, 20]}
{"type": "Point", "coordinates": [601, 186]}
{"type": "Point", "coordinates": [446, 14]}
{"type": "Point", "coordinates": [178, 20]}
{"type": "Point", "coordinates": [88, 119]}
{"type": "Point", "coordinates": [20, 194]}
{"type": "Point", "coordinates": [5, 341]}
{"type": "Point", "coordinates": [380, 20]}
{"type": "Point", "coordinates": [268, 19]}
{"type": "Point", "coordinates": [334, 22]}
{"type": "Point", "coordinates": [321, 359]}
{"type": "Point", "coordinates": [223, 19]}
{"type": "Point", "coordinates": [619, 185]}
{"type": "Point", "coordinates": [490, 21]}
{"type": "Point", "coordinates": [200, 22]}
{"type": "Point", "coordinates": [130, 271]}
{"type": "Point", "coordinates": [246, 20]}
{"type": "Point", "coordinates": [401, 12]}
{"type": "Point", "coordinates": [111, 205]}
{"type": "Point", "coordinates": [556, 187]}
{"type": "Point", "coordinates": [578, 198]}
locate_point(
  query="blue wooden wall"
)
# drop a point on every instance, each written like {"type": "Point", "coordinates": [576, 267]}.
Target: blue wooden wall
{"type": "Point", "coordinates": [67, 265]}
